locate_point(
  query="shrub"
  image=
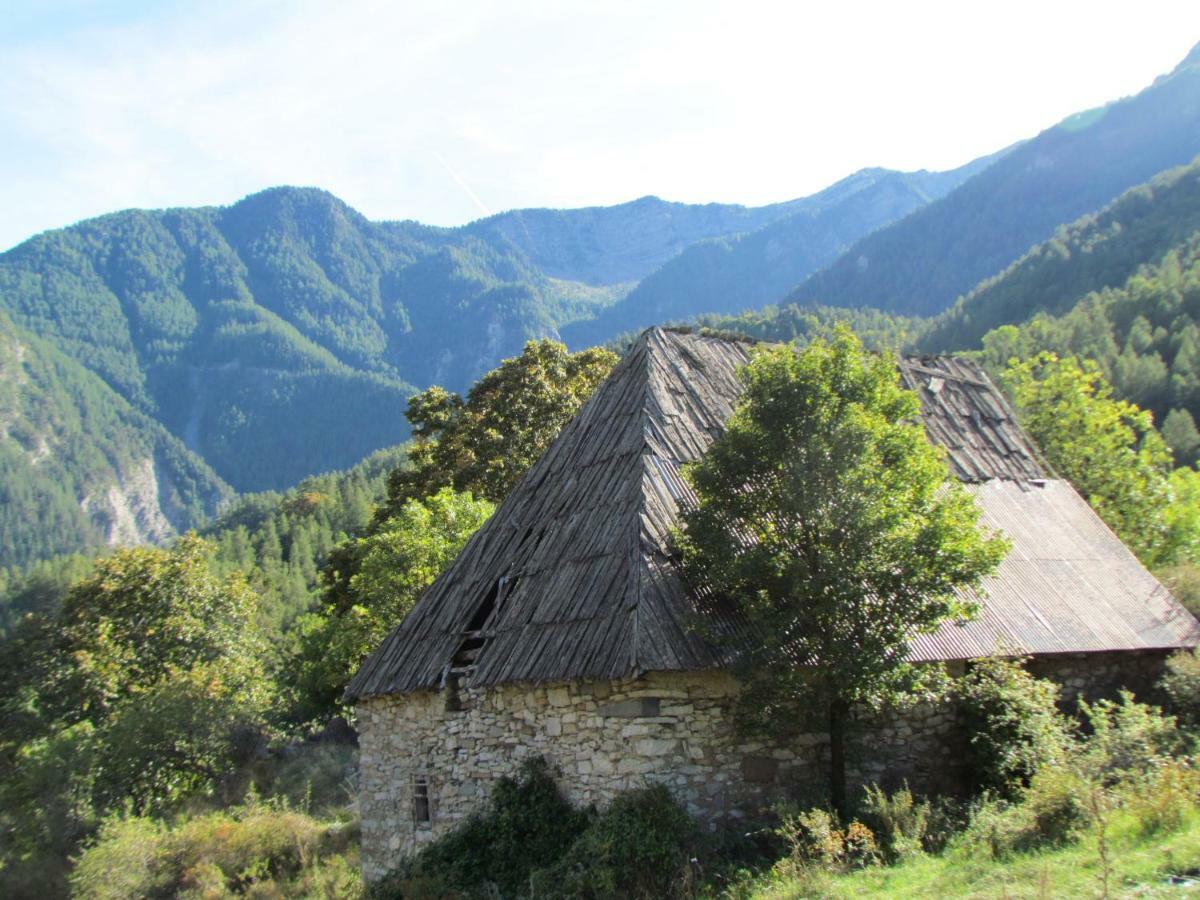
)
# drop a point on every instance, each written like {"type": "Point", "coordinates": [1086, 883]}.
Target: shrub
{"type": "Point", "coordinates": [812, 837]}
{"type": "Point", "coordinates": [1013, 724]}
{"type": "Point", "coordinates": [900, 821]}
{"type": "Point", "coordinates": [640, 846]}
{"type": "Point", "coordinates": [1052, 811]}
{"type": "Point", "coordinates": [1161, 804]}
{"type": "Point", "coordinates": [262, 849]}
{"type": "Point", "coordinates": [816, 842]}
{"type": "Point", "coordinates": [995, 828]}
{"type": "Point", "coordinates": [1181, 684]}
{"type": "Point", "coordinates": [1128, 739]}
{"type": "Point", "coordinates": [526, 825]}
{"type": "Point", "coordinates": [1058, 808]}
{"type": "Point", "coordinates": [122, 862]}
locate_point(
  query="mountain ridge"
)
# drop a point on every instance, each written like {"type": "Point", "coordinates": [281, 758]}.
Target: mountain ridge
{"type": "Point", "coordinates": [1066, 171]}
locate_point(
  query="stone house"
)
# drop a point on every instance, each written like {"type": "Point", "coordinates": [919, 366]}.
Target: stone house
{"type": "Point", "coordinates": [562, 628]}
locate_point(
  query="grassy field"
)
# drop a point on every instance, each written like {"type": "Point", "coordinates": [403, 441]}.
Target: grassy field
{"type": "Point", "coordinates": [1140, 865]}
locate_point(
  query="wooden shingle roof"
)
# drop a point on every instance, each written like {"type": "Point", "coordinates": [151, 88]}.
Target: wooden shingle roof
{"type": "Point", "coordinates": [571, 578]}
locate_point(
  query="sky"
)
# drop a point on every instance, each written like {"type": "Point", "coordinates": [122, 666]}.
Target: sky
{"type": "Point", "coordinates": [446, 112]}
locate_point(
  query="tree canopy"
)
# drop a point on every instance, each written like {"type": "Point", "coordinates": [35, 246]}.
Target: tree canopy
{"type": "Point", "coordinates": [1107, 448]}
{"type": "Point", "coordinates": [831, 524]}
{"type": "Point", "coordinates": [484, 443]}
{"type": "Point", "coordinates": [142, 689]}
{"type": "Point", "coordinates": [396, 563]}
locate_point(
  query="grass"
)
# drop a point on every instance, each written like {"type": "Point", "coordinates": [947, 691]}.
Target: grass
{"type": "Point", "coordinates": [1140, 867]}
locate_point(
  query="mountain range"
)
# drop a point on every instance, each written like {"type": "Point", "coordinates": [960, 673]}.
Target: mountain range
{"type": "Point", "coordinates": [156, 362]}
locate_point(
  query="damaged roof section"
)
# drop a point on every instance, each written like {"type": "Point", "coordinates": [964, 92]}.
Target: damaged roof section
{"type": "Point", "coordinates": [572, 577]}
{"type": "Point", "coordinates": [972, 421]}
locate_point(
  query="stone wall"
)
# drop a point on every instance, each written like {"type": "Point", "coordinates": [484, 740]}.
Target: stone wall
{"type": "Point", "coordinates": [1092, 676]}
{"type": "Point", "coordinates": [602, 738]}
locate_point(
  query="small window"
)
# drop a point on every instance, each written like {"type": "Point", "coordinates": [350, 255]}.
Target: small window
{"type": "Point", "coordinates": [422, 805]}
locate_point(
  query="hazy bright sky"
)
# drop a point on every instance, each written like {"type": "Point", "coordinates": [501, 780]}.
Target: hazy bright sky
{"type": "Point", "coordinates": [445, 111]}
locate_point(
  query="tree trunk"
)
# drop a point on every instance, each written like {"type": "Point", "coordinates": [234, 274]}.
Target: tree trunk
{"type": "Point", "coordinates": [837, 758]}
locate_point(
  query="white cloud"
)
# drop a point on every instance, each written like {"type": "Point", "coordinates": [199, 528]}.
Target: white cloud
{"type": "Point", "coordinates": [435, 111]}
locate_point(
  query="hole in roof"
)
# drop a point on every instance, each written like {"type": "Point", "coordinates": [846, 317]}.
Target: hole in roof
{"type": "Point", "coordinates": [484, 611]}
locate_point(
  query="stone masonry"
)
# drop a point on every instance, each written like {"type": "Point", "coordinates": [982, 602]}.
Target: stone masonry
{"type": "Point", "coordinates": [602, 738]}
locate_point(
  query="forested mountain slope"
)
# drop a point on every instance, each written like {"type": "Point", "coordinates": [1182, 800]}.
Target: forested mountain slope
{"type": "Point", "coordinates": [1096, 251]}
{"type": "Point", "coordinates": [1144, 333]}
{"type": "Point", "coordinates": [746, 271]}
{"type": "Point", "coordinates": [80, 467]}
{"type": "Point", "coordinates": [281, 336]}
{"type": "Point", "coordinates": [922, 263]}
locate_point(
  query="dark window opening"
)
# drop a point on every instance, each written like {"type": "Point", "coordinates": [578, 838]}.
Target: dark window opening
{"type": "Point", "coordinates": [422, 808]}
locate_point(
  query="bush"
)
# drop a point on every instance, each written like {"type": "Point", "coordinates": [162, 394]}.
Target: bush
{"type": "Point", "coordinates": [1052, 811]}
{"type": "Point", "coordinates": [1162, 804]}
{"type": "Point", "coordinates": [526, 825]}
{"type": "Point", "coordinates": [1013, 723]}
{"type": "Point", "coordinates": [816, 842]}
{"type": "Point", "coordinates": [1058, 808]}
{"type": "Point", "coordinates": [1181, 684]}
{"type": "Point", "coordinates": [261, 848]}
{"type": "Point", "coordinates": [1128, 739]}
{"type": "Point", "coordinates": [641, 846]}
{"type": "Point", "coordinates": [122, 862]}
{"type": "Point", "coordinates": [900, 821]}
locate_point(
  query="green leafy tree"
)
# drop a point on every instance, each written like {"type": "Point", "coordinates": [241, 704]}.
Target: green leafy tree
{"type": "Point", "coordinates": [143, 688]}
{"type": "Point", "coordinates": [830, 522]}
{"type": "Point", "coordinates": [485, 443]}
{"type": "Point", "coordinates": [397, 563]}
{"type": "Point", "coordinates": [1107, 448]}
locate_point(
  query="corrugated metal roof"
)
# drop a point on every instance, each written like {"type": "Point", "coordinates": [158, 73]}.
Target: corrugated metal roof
{"type": "Point", "coordinates": [574, 579]}
{"type": "Point", "coordinates": [1067, 586]}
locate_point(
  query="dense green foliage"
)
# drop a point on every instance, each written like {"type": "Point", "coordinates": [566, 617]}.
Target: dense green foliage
{"type": "Point", "coordinates": [921, 264]}
{"type": "Point", "coordinates": [526, 825]}
{"type": "Point", "coordinates": [1100, 250]}
{"type": "Point", "coordinates": [640, 846]}
{"type": "Point", "coordinates": [80, 466]}
{"type": "Point", "coordinates": [529, 841]}
{"type": "Point", "coordinates": [142, 688]}
{"type": "Point", "coordinates": [1144, 333]}
{"type": "Point", "coordinates": [1014, 725]}
{"type": "Point", "coordinates": [485, 443]}
{"type": "Point", "coordinates": [832, 525]}
{"type": "Point", "coordinates": [397, 561]}
{"type": "Point", "coordinates": [1109, 450]}
{"type": "Point", "coordinates": [282, 541]}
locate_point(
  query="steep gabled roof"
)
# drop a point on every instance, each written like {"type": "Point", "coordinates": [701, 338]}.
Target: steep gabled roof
{"type": "Point", "coordinates": [571, 577]}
